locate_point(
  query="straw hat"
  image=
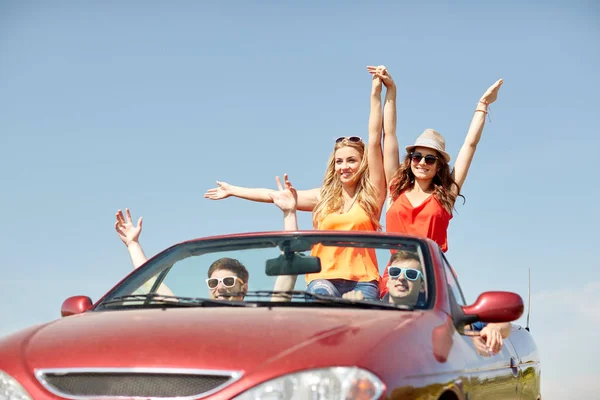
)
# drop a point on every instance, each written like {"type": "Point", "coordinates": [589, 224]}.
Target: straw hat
{"type": "Point", "coordinates": [432, 140]}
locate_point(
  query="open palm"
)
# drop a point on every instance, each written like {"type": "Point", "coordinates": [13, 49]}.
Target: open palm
{"type": "Point", "coordinates": [491, 95]}
{"type": "Point", "coordinates": [222, 191]}
{"type": "Point", "coordinates": [125, 228]}
{"type": "Point", "coordinates": [286, 199]}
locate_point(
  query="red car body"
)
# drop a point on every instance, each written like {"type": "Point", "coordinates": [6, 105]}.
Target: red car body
{"type": "Point", "coordinates": [417, 355]}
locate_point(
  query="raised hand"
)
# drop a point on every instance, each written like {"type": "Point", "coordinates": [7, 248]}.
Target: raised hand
{"type": "Point", "coordinates": [383, 74]}
{"type": "Point", "coordinates": [376, 84]}
{"type": "Point", "coordinates": [128, 232]}
{"type": "Point", "coordinates": [222, 191]}
{"type": "Point", "coordinates": [286, 199]}
{"type": "Point", "coordinates": [491, 94]}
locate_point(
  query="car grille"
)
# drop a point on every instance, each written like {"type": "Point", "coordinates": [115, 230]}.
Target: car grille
{"type": "Point", "coordinates": [132, 383]}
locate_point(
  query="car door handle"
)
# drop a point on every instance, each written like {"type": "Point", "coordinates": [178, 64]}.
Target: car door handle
{"type": "Point", "coordinates": [514, 366]}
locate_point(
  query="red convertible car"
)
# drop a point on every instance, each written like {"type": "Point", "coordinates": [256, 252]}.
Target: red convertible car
{"type": "Point", "coordinates": [229, 317]}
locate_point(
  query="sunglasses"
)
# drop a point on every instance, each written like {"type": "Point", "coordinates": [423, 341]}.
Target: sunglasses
{"type": "Point", "coordinates": [353, 139]}
{"type": "Point", "coordinates": [409, 273]}
{"type": "Point", "coordinates": [417, 157]}
{"type": "Point", "coordinates": [227, 281]}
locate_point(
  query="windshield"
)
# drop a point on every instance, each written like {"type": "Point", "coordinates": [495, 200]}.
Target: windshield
{"type": "Point", "coordinates": [283, 269]}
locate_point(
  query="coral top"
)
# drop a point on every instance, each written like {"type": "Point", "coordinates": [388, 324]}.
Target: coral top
{"type": "Point", "coordinates": [350, 263]}
{"type": "Point", "coordinates": [429, 219]}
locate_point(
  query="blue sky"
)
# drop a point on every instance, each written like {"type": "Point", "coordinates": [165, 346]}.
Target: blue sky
{"type": "Point", "coordinates": [107, 105]}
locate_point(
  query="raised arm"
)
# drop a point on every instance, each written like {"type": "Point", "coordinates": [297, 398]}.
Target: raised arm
{"type": "Point", "coordinates": [375, 155]}
{"type": "Point", "coordinates": [467, 151]}
{"type": "Point", "coordinates": [286, 199]}
{"type": "Point", "coordinates": [391, 155]}
{"type": "Point", "coordinates": [307, 199]}
{"type": "Point", "coordinates": [130, 235]}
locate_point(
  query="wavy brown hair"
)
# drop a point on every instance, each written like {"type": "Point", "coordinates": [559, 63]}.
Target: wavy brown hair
{"type": "Point", "coordinates": [332, 199]}
{"type": "Point", "coordinates": [442, 182]}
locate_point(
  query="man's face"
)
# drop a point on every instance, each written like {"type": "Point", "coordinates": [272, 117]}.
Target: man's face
{"type": "Point", "coordinates": [405, 289]}
{"type": "Point", "coordinates": [223, 282]}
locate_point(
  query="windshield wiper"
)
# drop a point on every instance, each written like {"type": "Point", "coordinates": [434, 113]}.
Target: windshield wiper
{"type": "Point", "coordinates": [155, 299]}
{"type": "Point", "coordinates": [323, 299]}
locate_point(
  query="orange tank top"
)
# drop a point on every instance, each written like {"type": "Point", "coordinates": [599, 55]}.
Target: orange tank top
{"type": "Point", "coordinates": [351, 263]}
{"type": "Point", "coordinates": [429, 219]}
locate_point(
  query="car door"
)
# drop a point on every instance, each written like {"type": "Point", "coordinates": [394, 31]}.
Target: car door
{"type": "Point", "coordinates": [529, 362]}
{"type": "Point", "coordinates": [490, 376]}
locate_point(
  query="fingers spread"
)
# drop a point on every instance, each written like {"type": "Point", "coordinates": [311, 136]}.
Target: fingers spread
{"type": "Point", "coordinates": [120, 216]}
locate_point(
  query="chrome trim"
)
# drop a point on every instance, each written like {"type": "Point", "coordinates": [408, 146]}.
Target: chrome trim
{"type": "Point", "coordinates": [39, 374]}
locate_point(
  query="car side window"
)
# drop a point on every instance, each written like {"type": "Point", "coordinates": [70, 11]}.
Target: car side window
{"type": "Point", "coordinates": [453, 283]}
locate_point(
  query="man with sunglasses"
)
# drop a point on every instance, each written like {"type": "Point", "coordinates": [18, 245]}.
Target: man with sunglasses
{"type": "Point", "coordinates": [225, 275]}
{"type": "Point", "coordinates": [406, 285]}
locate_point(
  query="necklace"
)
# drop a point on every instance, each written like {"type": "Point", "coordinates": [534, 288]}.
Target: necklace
{"type": "Point", "coordinates": [351, 204]}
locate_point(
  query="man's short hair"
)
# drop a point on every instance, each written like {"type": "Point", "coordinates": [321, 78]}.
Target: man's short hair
{"type": "Point", "coordinates": [404, 255]}
{"type": "Point", "coordinates": [232, 265]}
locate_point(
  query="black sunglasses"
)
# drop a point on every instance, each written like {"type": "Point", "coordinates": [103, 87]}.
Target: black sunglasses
{"type": "Point", "coordinates": [353, 139]}
{"type": "Point", "coordinates": [417, 157]}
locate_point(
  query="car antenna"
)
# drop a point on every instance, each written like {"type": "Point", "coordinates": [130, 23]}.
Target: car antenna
{"type": "Point", "coordinates": [528, 298]}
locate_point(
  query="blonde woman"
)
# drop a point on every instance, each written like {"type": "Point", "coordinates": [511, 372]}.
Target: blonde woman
{"type": "Point", "coordinates": [351, 198]}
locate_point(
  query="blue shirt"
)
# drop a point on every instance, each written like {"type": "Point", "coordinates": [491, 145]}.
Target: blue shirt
{"type": "Point", "coordinates": [479, 325]}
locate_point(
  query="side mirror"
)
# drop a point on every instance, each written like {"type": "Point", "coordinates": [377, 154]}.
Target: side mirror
{"type": "Point", "coordinates": [494, 307]}
{"type": "Point", "coordinates": [75, 305]}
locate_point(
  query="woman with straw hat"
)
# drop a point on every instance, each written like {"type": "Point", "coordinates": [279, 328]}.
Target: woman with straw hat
{"type": "Point", "coordinates": [423, 188]}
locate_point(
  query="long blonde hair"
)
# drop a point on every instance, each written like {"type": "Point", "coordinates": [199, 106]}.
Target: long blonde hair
{"type": "Point", "coordinates": [332, 199]}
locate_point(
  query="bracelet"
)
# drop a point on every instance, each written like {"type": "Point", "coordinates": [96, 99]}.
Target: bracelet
{"type": "Point", "coordinates": [486, 104]}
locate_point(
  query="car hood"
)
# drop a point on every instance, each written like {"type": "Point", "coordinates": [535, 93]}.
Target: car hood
{"type": "Point", "coordinates": [238, 339]}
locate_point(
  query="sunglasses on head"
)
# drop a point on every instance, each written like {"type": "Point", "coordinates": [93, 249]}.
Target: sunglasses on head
{"type": "Point", "coordinates": [227, 281]}
{"type": "Point", "coordinates": [353, 139]}
{"type": "Point", "coordinates": [417, 157]}
{"type": "Point", "coordinates": [409, 273]}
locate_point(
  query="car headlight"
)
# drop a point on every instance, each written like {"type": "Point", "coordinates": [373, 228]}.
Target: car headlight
{"type": "Point", "coordinates": [339, 383]}
{"type": "Point", "coordinates": [10, 389]}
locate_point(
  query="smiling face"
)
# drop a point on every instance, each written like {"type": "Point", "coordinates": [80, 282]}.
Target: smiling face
{"type": "Point", "coordinates": [226, 276]}
{"type": "Point", "coordinates": [419, 166]}
{"type": "Point", "coordinates": [404, 288]}
{"type": "Point", "coordinates": [347, 163]}
{"type": "Point", "coordinates": [227, 282]}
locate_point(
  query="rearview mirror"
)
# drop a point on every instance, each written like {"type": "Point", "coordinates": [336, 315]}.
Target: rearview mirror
{"type": "Point", "coordinates": [291, 263]}
{"type": "Point", "coordinates": [494, 307]}
{"type": "Point", "coordinates": [75, 305]}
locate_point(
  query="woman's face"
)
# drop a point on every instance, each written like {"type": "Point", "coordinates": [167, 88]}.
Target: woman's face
{"type": "Point", "coordinates": [347, 163]}
{"type": "Point", "coordinates": [424, 163]}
